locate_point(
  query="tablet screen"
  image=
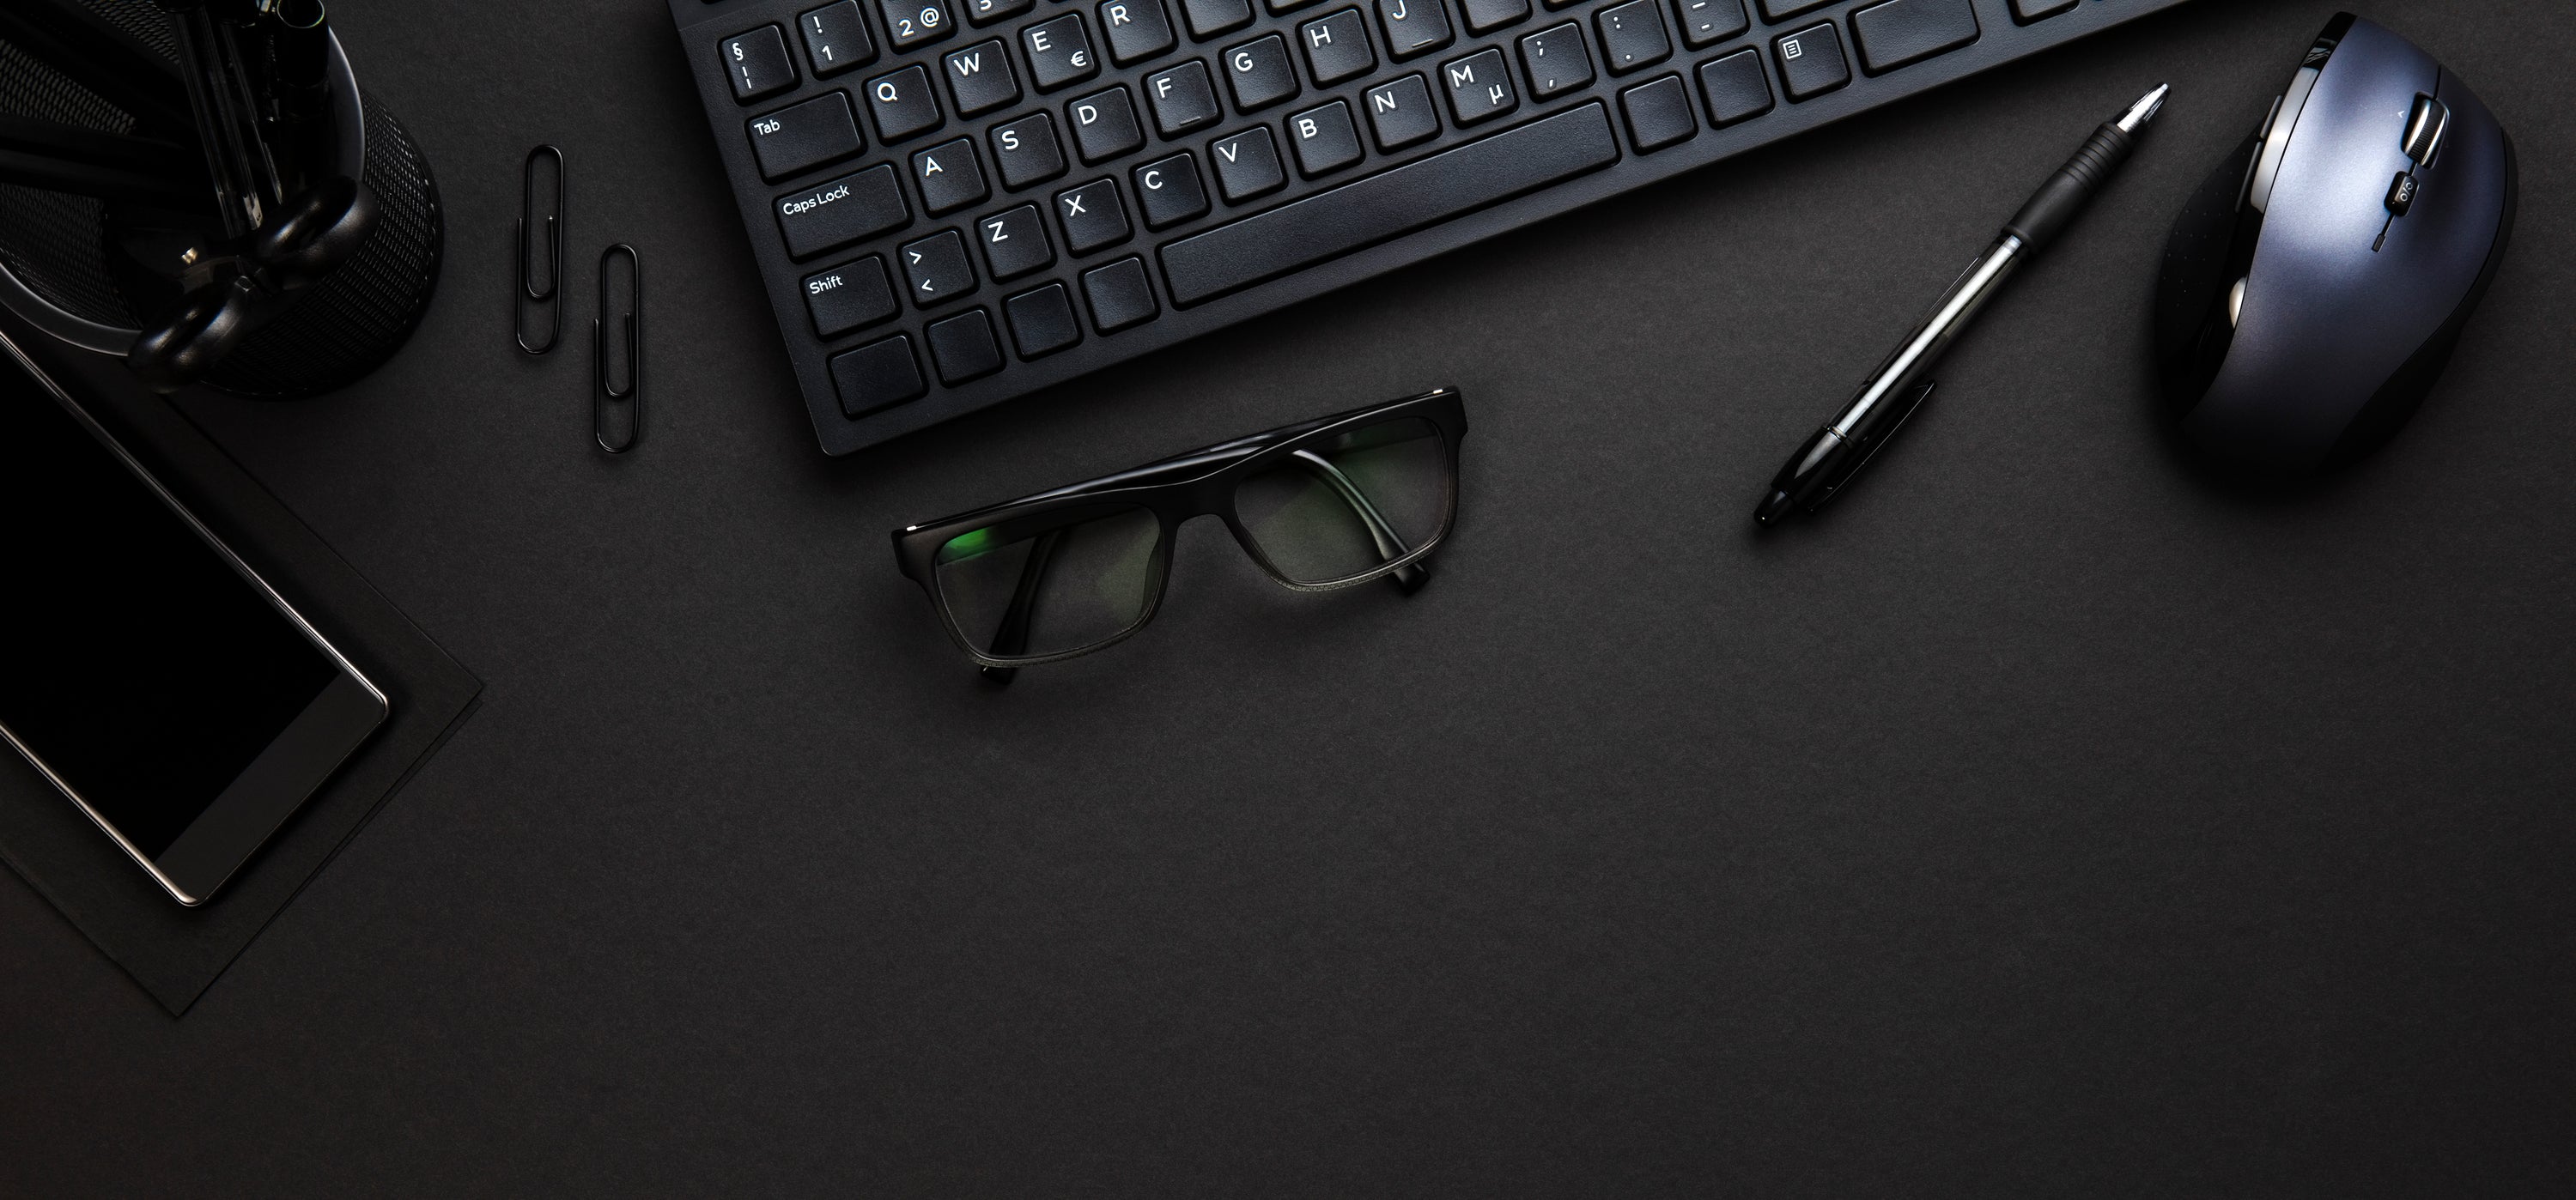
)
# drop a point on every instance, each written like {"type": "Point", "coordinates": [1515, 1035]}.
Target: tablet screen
{"type": "Point", "coordinates": [136, 665]}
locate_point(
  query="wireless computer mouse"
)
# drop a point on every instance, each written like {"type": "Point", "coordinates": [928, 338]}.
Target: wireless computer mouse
{"type": "Point", "coordinates": [2314, 287]}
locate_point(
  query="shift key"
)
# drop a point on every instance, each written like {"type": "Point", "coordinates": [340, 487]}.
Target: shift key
{"type": "Point", "coordinates": [842, 211]}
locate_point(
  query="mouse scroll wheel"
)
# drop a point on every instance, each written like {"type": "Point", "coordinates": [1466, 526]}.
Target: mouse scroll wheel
{"type": "Point", "coordinates": [2424, 130]}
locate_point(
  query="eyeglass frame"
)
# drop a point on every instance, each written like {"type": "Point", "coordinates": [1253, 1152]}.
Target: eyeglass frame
{"type": "Point", "coordinates": [1210, 492]}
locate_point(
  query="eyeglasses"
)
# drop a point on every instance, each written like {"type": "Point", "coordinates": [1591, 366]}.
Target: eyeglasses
{"type": "Point", "coordinates": [1320, 505]}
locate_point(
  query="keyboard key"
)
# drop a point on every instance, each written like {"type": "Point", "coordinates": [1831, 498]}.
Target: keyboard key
{"type": "Point", "coordinates": [757, 64]}
{"type": "Point", "coordinates": [1026, 151]}
{"type": "Point", "coordinates": [1209, 18]}
{"type": "Point", "coordinates": [1400, 113]}
{"type": "Point", "coordinates": [836, 38]}
{"type": "Point", "coordinates": [1774, 10]}
{"type": "Point", "coordinates": [1120, 295]}
{"type": "Point", "coordinates": [949, 177]}
{"type": "Point", "coordinates": [1059, 52]}
{"type": "Point", "coordinates": [1137, 29]}
{"type": "Point", "coordinates": [1324, 139]}
{"type": "Point", "coordinates": [916, 22]}
{"type": "Point", "coordinates": [842, 211]}
{"type": "Point", "coordinates": [1015, 242]}
{"type": "Point", "coordinates": [1247, 165]}
{"type": "Point", "coordinates": [1042, 321]}
{"type": "Point", "coordinates": [2027, 11]}
{"type": "Point", "coordinates": [985, 12]}
{"type": "Point", "coordinates": [1169, 192]}
{"type": "Point", "coordinates": [1706, 22]}
{"type": "Point", "coordinates": [801, 137]}
{"type": "Point", "coordinates": [902, 104]}
{"type": "Point", "coordinates": [1182, 98]}
{"type": "Point", "coordinates": [1486, 16]}
{"type": "Point", "coordinates": [1480, 87]}
{"type": "Point", "coordinates": [1555, 61]}
{"type": "Point", "coordinates": [1734, 88]}
{"type": "Point", "coordinates": [1412, 27]}
{"type": "Point", "coordinates": [876, 376]}
{"type": "Point", "coordinates": [1104, 125]}
{"type": "Point", "coordinates": [1337, 47]}
{"type": "Point", "coordinates": [1632, 36]}
{"type": "Point", "coordinates": [1091, 216]}
{"type": "Point", "coordinates": [1659, 113]}
{"type": "Point", "coordinates": [937, 269]}
{"type": "Point", "coordinates": [1811, 61]}
{"type": "Point", "coordinates": [1283, 7]}
{"type": "Point", "coordinates": [963, 347]}
{"type": "Point", "coordinates": [848, 296]}
{"type": "Point", "coordinates": [1364, 212]}
{"type": "Point", "coordinates": [979, 78]}
{"type": "Point", "coordinates": [1258, 72]}
{"type": "Point", "coordinates": [1901, 32]}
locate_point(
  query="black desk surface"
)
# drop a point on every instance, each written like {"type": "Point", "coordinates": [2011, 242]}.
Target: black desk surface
{"type": "Point", "coordinates": [2070, 828]}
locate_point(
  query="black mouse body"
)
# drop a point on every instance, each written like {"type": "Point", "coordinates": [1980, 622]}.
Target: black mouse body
{"type": "Point", "coordinates": [2314, 287]}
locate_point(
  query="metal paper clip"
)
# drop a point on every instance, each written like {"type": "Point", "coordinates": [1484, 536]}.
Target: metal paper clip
{"type": "Point", "coordinates": [603, 392]}
{"type": "Point", "coordinates": [547, 296]}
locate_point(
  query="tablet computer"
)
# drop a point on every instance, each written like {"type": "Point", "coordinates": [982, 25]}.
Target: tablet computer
{"type": "Point", "coordinates": [147, 671]}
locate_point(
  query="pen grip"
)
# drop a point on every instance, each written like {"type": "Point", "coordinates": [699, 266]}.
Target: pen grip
{"type": "Point", "coordinates": [2065, 194]}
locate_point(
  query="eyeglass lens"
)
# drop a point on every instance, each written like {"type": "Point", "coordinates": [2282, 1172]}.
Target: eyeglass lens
{"type": "Point", "coordinates": [1343, 507]}
{"type": "Point", "coordinates": [1051, 584]}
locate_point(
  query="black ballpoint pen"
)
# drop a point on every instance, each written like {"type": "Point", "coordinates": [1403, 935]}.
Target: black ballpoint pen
{"type": "Point", "coordinates": [1838, 451]}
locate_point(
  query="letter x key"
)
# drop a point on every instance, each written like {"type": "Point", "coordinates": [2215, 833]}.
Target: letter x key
{"type": "Point", "coordinates": [1091, 216]}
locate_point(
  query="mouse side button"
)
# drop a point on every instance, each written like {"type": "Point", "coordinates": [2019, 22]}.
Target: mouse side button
{"type": "Point", "coordinates": [2424, 129]}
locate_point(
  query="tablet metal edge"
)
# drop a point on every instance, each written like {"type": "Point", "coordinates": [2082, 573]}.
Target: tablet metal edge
{"type": "Point", "coordinates": [134, 465]}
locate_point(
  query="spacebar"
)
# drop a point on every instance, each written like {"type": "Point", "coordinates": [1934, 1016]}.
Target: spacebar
{"type": "Point", "coordinates": [1207, 265]}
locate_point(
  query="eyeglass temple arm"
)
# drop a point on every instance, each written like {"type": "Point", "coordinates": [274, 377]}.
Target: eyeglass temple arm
{"type": "Point", "coordinates": [1013, 637]}
{"type": "Point", "coordinates": [1408, 578]}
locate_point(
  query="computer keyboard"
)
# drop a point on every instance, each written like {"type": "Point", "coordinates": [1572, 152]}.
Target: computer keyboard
{"type": "Point", "coordinates": [955, 202]}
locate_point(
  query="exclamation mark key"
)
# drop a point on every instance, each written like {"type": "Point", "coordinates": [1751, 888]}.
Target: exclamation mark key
{"type": "Point", "coordinates": [836, 38]}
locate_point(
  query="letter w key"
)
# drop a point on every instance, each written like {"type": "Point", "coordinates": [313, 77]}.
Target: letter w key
{"type": "Point", "coordinates": [979, 78]}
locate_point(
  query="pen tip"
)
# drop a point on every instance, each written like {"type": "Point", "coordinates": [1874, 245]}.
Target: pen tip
{"type": "Point", "coordinates": [1772, 509]}
{"type": "Point", "coordinates": [2145, 109]}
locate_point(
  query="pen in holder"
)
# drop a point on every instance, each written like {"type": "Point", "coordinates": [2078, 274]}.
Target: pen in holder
{"type": "Point", "coordinates": [203, 191]}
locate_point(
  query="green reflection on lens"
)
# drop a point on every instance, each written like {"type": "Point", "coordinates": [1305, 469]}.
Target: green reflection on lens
{"type": "Point", "coordinates": [967, 545]}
